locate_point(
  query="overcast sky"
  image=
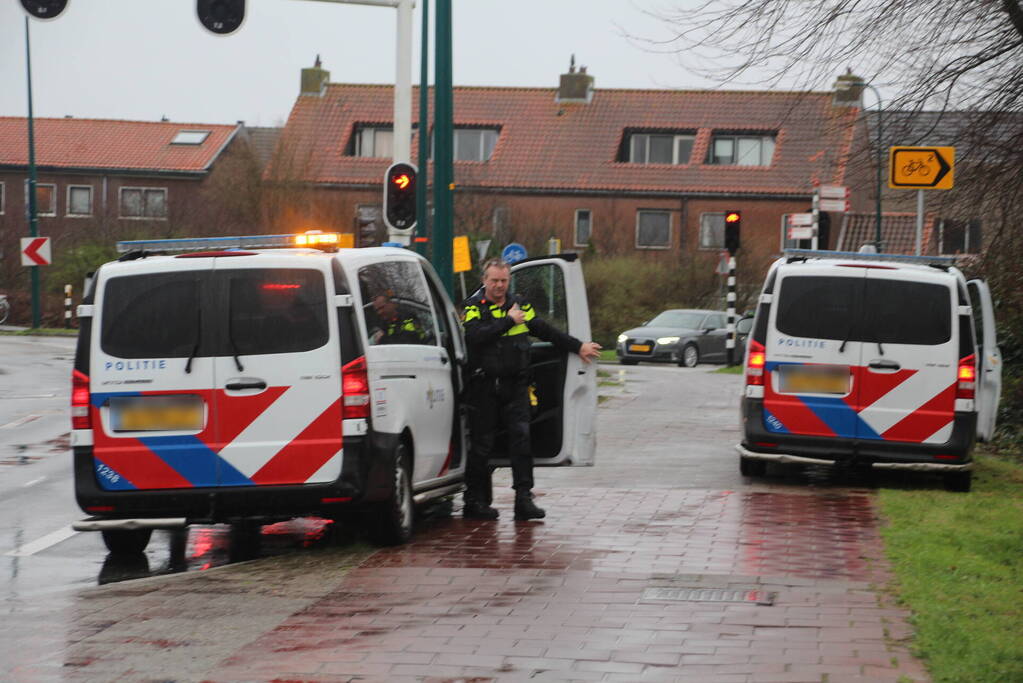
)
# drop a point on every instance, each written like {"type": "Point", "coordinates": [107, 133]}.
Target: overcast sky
{"type": "Point", "coordinates": [144, 59]}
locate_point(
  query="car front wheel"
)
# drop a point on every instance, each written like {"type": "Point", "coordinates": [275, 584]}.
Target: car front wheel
{"type": "Point", "coordinates": [690, 356]}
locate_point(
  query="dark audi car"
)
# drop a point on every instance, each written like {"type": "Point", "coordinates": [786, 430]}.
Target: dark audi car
{"type": "Point", "coordinates": [683, 336]}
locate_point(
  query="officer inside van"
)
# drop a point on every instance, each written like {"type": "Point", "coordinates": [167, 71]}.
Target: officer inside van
{"type": "Point", "coordinates": [392, 326]}
{"type": "Point", "coordinates": [498, 325]}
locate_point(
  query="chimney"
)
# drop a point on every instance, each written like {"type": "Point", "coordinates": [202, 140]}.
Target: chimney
{"type": "Point", "coordinates": [848, 90]}
{"type": "Point", "coordinates": [575, 86]}
{"type": "Point", "coordinates": [314, 79]}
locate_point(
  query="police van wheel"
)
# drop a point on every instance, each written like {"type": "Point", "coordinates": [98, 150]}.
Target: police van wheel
{"type": "Point", "coordinates": [395, 516]}
{"type": "Point", "coordinates": [690, 356]}
{"type": "Point", "coordinates": [752, 467]}
{"type": "Point", "coordinates": [959, 482]}
{"type": "Point", "coordinates": [126, 541]}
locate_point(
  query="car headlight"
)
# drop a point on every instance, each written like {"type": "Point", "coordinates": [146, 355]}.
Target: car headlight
{"type": "Point", "coordinates": [662, 341]}
{"type": "Point", "coordinates": [622, 338]}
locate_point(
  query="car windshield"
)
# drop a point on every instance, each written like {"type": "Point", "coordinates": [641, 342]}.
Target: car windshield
{"type": "Point", "coordinates": [686, 319]}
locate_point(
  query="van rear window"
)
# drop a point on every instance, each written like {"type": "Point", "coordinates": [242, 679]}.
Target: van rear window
{"type": "Point", "coordinates": [275, 310]}
{"type": "Point", "coordinates": [151, 316]}
{"type": "Point", "coordinates": [864, 309]}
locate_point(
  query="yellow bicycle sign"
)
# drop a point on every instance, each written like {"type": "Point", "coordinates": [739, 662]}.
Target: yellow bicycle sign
{"type": "Point", "coordinates": [921, 168]}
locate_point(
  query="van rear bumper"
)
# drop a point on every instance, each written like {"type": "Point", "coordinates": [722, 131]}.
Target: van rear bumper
{"type": "Point", "coordinates": [952, 455]}
{"type": "Point", "coordinates": [364, 478]}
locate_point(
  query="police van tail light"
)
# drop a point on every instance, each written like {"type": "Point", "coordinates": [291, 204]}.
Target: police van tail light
{"type": "Point", "coordinates": [967, 386]}
{"type": "Point", "coordinates": [355, 387]}
{"type": "Point", "coordinates": [755, 362]}
{"type": "Point", "coordinates": [80, 417]}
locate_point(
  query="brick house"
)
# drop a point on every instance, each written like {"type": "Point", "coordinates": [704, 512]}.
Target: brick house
{"type": "Point", "coordinates": [104, 180]}
{"type": "Point", "coordinates": [643, 172]}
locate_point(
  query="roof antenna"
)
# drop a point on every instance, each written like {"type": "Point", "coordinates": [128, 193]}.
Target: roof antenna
{"type": "Point", "coordinates": [318, 63]}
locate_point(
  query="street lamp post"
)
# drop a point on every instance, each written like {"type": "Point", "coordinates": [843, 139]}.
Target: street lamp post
{"type": "Point", "coordinates": [33, 217]}
{"type": "Point", "coordinates": [879, 163]}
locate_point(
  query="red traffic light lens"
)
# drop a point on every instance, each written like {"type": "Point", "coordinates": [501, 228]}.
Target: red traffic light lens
{"type": "Point", "coordinates": [401, 181]}
{"type": "Point", "coordinates": [733, 217]}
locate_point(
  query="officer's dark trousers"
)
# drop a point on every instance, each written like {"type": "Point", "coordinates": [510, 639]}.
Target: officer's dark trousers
{"type": "Point", "coordinates": [496, 403]}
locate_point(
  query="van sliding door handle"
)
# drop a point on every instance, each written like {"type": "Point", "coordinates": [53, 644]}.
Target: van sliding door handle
{"type": "Point", "coordinates": [884, 365]}
{"type": "Point", "coordinates": [251, 384]}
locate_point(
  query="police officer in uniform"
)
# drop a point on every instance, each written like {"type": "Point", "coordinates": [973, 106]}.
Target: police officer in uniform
{"type": "Point", "coordinates": [497, 329]}
{"type": "Point", "coordinates": [393, 328]}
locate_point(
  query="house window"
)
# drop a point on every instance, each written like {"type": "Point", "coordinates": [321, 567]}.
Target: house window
{"type": "Point", "coordinates": [3, 197]}
{"type": "Point", "coordinates": [374, 142]}
{"type": "Point", "coordinates": [653, 229]}
{"type": "Point", "coordinates": [499, 220]}
{"type": "Point", "coordinates": [583, 227]}
{"type": "Point", "coordinates": [958, 237]}
{"type": "Point", "coordinates": [190, 137]}
{"type": "Point", "coordinates": [475, 144]}
{"type": "Point", "coordinates": [143, 202]}
{"type": "Point", "coordinates": [650, 148]}
{"type": "Point", "coordinates": [79, 200]}
{"type": "Point", "coordinates": [46, 200]}
{"type": "Point", "coordinates": [741, 150]}
{"type": "Point", "coordinates": [712, 230]}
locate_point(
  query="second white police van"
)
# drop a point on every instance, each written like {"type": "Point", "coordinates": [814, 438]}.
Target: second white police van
{"type": "Point", "coordinates": [237, 382]}
{"type": "Point", "coordinates": [880, 360]}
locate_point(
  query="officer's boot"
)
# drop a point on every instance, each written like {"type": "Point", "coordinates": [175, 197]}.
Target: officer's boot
{"type": "Point", "coordinates": [473, 509]}
{"type": "Point", "coordinates": [525, 508]}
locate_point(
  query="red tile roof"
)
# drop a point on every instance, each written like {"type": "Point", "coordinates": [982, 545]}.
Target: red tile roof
{"type": "Point", "coordinates": [108, 144]}
{"type": "Point", "coordinates": [898, 232]}
{"type": "Point", "coordinates": [545, 145]}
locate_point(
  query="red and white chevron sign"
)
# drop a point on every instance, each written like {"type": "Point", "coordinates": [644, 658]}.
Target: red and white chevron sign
{"type": "Point", "coordinates": [35, 251]}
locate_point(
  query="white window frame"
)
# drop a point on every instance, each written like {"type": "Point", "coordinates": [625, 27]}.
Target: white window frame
{"type": "Point", "coordinates": [189, 137]}
{"type": "Point", "coordinates": [71, 214]}
{"type": "Point", "coordinates": [3, 197]}
{"type": "Point", "coordinates": [575, 231]}
{"type": "Point", "coordinates": [735, 138]}
{"type": "Point", "coordinates": [482, 150]}
{"type": "Point", "coordinates": [671, 228]}
{"type": "Point", "coordinates": [709, 214]}
{"type": "Point", "coordinates": [675, 138]}
{"type": "Point", "coordinates": [53, 196]}
{"type": "Point", "coordinates": [360, 130]}
{"type": "Point", "coordinates": [120, 203]}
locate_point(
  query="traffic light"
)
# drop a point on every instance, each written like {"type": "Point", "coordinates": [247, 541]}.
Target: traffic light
{"type": "Point", "coordinates": [44, 9]}
{"type": "Point", "coordinates": [400, 197]}
{"type": "Point", "coordinates": [733, 224]}
{"type": "Point", "coordinates": [221, 17]}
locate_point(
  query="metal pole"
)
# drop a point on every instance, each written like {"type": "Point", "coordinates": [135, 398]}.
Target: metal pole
{"type": "Point", "coordinates": [422, 225]}
{"type": "Point", "coordinates": [919, 220]}
{"type": "Point", "coordinates": [816, 217]}
{"type": "Point", "coordinates": [730, 339]}
{"type": "Point", "coordinates": [443, 156]}
{"type": "Point", "coordinates": [403, 84]}
{"type": "Point", "coordinates": [879, 164]}
{"type": "Point", "coordinates": [33, 219]}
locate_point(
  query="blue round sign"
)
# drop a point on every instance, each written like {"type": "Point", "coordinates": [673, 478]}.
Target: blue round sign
{"type": "Point", "coordinates": [514, 253]}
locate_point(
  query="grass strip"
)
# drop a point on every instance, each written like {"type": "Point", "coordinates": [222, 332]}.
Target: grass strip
{"type": "Point", "coordinates": [729, 370]}
{"type": "Point", "coordinates": [41, 332]}
{"type": "Point", "coordinates": [958, 561]}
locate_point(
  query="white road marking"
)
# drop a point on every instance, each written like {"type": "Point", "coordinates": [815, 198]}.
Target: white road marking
{"type": "Point", "coordinates": [20, 421]}
{"type": "Point", "coordinates": [43, 543]}
{"type": "Point", "coordinates": [33, 482]}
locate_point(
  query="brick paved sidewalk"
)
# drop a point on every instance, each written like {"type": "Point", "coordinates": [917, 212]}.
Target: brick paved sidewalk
{"type": "Point", "coordinates": [571, 599]}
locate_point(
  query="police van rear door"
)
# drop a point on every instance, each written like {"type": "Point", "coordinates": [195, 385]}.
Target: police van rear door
{"type": "Point", "coordinates": [277, 372]}
{"type": "Point", "coordinates": [563, 424]}
{"type": "Point", "coordinates": [989, 359]}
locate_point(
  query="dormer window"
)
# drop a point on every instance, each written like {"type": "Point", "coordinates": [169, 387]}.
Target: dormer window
{"type": "Point", "coordinates": [741, 150]}
{"type": "Point", "coordinates": [659, 148]}
{"type": "Point", "coordinates": [374, 141]}
{"type": "Point", "coordinates": [475, 144]}
{"type": "Point", "coordinates": [190, 137]}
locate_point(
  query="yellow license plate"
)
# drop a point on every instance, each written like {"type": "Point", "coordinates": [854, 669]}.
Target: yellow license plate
{"type": "Point", "coordinates": [640, 348]}
{"type": "Point", "coordinates": [156, 413]}
{"type": "Point", "coordinates": [815, 381]}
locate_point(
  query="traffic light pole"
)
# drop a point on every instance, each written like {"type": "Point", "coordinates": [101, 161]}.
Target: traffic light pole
{"type": "Point", "coordinates": [730, 339]}
{"type": "Point", "coordinates": [422, 223]}
{"type": "Point", "coordinates": [443, 157]}
{"type": "Point", "coordinates": [33, 218]}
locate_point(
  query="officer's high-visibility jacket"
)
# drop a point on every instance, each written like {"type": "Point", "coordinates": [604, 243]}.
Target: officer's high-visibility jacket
{"type": "Point", "coordinates": [498, 346]}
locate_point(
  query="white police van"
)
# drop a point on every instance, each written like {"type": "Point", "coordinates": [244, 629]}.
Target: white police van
{"type": "Point", "coordinates": [882, 360]}
{"type": "Point", "coordinates": [247, 380]}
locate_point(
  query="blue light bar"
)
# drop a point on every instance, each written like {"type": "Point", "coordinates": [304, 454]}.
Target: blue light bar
{"type": "Point", "coordinates": [945, 261]}
{"type": "Point", "coordinates": [208, 243]}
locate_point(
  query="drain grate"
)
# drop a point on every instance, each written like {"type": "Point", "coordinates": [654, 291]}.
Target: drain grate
{"type": "Point", "coordinates": [709, 595]}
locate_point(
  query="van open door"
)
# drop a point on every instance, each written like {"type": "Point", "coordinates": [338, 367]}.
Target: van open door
{"type": "Point", "coordinates": [562, 427]}
{"type": "Point", "coordinates": [989, 359]}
